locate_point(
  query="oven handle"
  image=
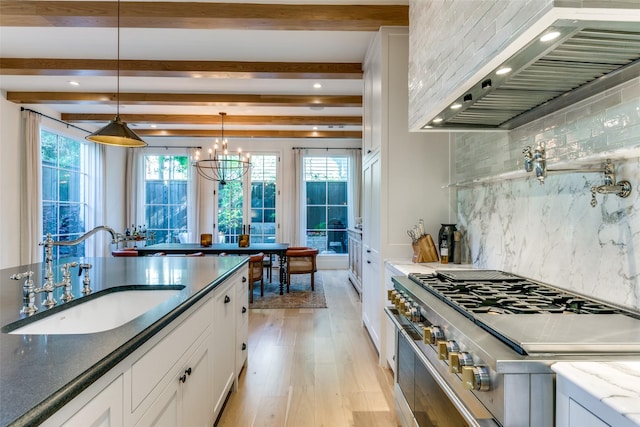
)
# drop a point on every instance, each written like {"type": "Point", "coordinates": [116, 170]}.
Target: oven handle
{"type": "Point", "coordinates": [460, 406]}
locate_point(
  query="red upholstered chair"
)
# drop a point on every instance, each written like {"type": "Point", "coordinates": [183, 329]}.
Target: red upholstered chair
{"type": "Point", "coordinates": [301, 260]}
{"type": "Point", "coordinates": [256, 273]}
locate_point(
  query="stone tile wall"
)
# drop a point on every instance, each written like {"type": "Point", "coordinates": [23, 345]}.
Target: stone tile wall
{"type": "Point", "coordinates": [550, 232]}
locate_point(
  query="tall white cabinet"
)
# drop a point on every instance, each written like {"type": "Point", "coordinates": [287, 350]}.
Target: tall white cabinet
{"type": "Point", "coordinates": [404, 175]}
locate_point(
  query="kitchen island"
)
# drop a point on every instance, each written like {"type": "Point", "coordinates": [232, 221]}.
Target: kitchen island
{"type": "Point", "coordinates": [40, 374]}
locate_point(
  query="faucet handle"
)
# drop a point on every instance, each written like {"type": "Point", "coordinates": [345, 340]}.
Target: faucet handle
{"type": "Point", "coordinates": [28, 292]}
{"type": "Point", "coordinates": [26, 275]}
{"type": "Point", "coordinates": [66, 280]}
{"type": "Point", "coordinates": [84, 266]}
{"type": "Point", "coordinates": [86, 282]}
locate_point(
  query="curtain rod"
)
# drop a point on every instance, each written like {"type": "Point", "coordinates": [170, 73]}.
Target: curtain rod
{"type": "Point", "coordinates": [326, 148]}
{"type": "Point", "coordinates": [166, 147]}
{"type": "Point", "coordinates": [54, 119]}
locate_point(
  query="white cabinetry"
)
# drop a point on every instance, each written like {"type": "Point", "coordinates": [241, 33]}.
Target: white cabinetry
{"type": "Point", "coordinates": [186, 399]}
{"type": "Point", "coordinates": [355, 259]}
{"type": "Point", "coordinates": [105, 409]}
{"type": "Point", "coordinates": [224, 355]}
{"type": "Point", "coordinates": [371, 296]}
{"type": "Point", "coordinates": [372, 108]}
{"type": "Point", "coordinates": [180, 377]}
{"type": "Point", "coordinates": [242, 323]}
{"type": "Point", "coordinates": [597, 394]}
{"type": "Point", "coordinates": [403, 173]}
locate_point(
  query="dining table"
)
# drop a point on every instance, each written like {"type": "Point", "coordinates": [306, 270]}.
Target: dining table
{"type": "Point", "coordinates": [279, 249]}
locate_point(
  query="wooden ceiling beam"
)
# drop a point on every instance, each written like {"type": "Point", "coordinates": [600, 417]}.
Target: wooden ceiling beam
{"type": "Point", "coordinates": [185, 69]}
{"type": "Point", "coordinates": [282, 134]}
{"type": "Point", "coordinates": [193, 15]}
{"type": "Point", "coordinates": [196, 119]}
{"type": "Point", "coordinates": [193, 99]}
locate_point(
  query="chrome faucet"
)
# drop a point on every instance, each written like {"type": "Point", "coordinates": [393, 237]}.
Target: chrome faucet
{"type": "Point", "coordinates": [86, 281]}
{"type": "Point", "coordinates": [66, 281]}
{"type": "Point", "coordinates": [610, 186]}
{"type": "Point", "coordinates": [49, 282]}
{"type": "Point", "coordinates": [28, 292]}
{"type": "Point", "coordinates": [536, 160]}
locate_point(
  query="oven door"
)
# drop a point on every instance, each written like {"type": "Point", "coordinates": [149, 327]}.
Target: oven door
{"type": "Point", "coordinates": [419, 388]}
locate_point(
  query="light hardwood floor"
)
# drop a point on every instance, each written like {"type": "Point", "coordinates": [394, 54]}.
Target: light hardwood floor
{"type": "Point", "coordinates": [312, 367]}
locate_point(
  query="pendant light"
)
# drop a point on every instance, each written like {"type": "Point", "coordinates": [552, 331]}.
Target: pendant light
{"type": "Point", "coordinates": [117, 132]}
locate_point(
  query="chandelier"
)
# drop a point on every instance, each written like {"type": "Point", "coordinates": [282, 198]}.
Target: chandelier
{"type": "Point", "coordinates": [220, 165]}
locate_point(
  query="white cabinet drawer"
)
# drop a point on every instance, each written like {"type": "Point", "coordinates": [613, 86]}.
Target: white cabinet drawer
{"type": "Point", "coordinates": [149, 370]}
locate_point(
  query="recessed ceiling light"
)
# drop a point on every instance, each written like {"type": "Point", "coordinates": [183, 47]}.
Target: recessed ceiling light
{"type": "Point", "coordinates": [437, 120]}
{"type": "Point", "coordinates": [154, 126]}
{"type": "Point", "coordinates": [315, 128]}
{"type": "Point", "coordinates": [456, 106]}
{"type": "Point", "coordinates": [503, 70]}
{"type": "Point", "coordinates": [74, 83]}
{"type": "Point", "coordinates": [550, 36]}
{"type": "Point", "coordinates": [317, 85]}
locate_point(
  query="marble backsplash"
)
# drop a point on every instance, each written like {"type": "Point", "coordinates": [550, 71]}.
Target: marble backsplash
{"type": "Point", "coordinates": [550, 232]}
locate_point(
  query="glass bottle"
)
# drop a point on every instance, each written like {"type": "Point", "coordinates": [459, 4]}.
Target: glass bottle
{"type": "Point", "coordinates": [444, 252]}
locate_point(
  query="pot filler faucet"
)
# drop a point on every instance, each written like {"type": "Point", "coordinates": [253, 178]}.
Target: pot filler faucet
{"type": "Point", "coordinates": [29, 290]}
{"type": "Point", "coordinates": [535, 160]}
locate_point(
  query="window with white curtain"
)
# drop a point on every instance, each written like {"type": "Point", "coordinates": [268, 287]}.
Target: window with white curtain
{"type": "Point", "coordinates": [65, 190]}
{"type": "Point", "coordinates": [166, 195]}
{"type": "Point", "coordinates": [264, 169]}
{"type": "Point", "coordinates": [325, 192]}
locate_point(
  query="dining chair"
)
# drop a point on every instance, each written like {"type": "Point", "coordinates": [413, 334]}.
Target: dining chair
{"type": "Point", "coordinates": [301, 260]}
{"type": "Point", "coordinates": [256, 268]}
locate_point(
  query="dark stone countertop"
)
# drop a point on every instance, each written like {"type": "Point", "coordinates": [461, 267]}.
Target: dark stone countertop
{"type": "Point", "coordinates": [41, 373]}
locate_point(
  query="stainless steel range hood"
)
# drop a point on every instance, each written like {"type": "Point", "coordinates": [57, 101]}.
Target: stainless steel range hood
{"type": "Point", "coordinates": [586, 58]}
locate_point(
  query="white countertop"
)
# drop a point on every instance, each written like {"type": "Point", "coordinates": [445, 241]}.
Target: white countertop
{"type": "Point", "coordinates": [613, 386]}
{"type": "Point", "coordinates": [404, 266]}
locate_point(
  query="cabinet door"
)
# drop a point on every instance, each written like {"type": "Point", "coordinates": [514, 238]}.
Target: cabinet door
{"type": "Point", "coordinates": [371, 181]}
{"type": "Point", "coordinates": [242, 322]}
{"type": "Point", "coordinates": [197, 390]}
{"type": "Point", "coordinates": [579, 416]}
{"type": "Point", "coordinates": [224, 355]}
{"type": "Point", "coordinates": [166, 410]}
{"type": "Point", "coordinates": [371, 295]}
{"type": "Point", "coordinates": [104, 410]}
{"type": "Point", "coordinates": [372, 102]}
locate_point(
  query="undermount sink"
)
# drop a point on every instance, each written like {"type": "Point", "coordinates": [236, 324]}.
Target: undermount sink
{"type": "Point", "coordinates": [99, 313]}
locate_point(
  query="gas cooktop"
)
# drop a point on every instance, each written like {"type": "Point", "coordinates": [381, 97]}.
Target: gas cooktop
{"type": "Point", "coordinates": [496, 292]}
{"type": "Point", "coordinates": [532, 317]}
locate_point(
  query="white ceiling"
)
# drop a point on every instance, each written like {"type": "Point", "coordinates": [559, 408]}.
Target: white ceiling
{"type": "Point", "coordinates": [191, 45]}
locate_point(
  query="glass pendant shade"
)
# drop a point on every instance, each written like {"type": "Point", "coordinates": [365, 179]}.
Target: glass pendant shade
{"type": "Point", "coordinates": [116, 133]}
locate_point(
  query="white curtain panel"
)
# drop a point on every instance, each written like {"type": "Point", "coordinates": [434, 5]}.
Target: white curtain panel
{"type": "Point", "coordinates": [193, 203]}
{"type": "Point", "coordinates": [355, 181]}
{"type": "Point", "coordinates": [96, 159]}
{"type": "Point", "coordinates": [132, 190]}
{"type": "Point", "coordinates": [31, 218]}
{"type": "Point", "coordinates": [298, 213]}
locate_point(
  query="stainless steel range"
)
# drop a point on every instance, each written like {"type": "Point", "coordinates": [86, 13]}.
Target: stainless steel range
{"type": "Point", "coordinates": [474, 347]}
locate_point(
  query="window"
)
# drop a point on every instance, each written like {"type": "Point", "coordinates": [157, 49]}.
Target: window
{"type": "Point", "coordinates": [166, 180]}
{"type": "Point", "coordinates": [325, 183]}
{"type": "Point", "coordinates": [230, 218]}
{"type": "Point", "coordinates": [263, 198]}
{"type": "Point", "coordinates": [64, 191]}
